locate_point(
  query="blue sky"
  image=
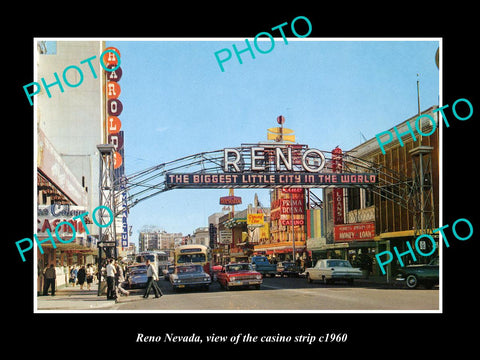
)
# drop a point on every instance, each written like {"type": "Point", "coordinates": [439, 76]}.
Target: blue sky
{"type": "Point", "coordinates": [178, 102]}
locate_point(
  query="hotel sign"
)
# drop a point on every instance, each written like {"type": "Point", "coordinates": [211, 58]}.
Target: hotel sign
{"type": "Point", "coordinates": [230, 200]}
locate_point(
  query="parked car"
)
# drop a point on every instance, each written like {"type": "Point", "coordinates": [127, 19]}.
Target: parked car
{"type": "Point", "coordinates": [137, 276]}
{"type": "Point", "coordinates": [189, 276]}
{"type": "Point", "coordinates": [422, 274]}
{"type": "Point", "coordinates": [239, 275]}
{"type": "Point", "coordinates": [331, 270]}
{"type": "Point", "coordinates": [288, 268]}
{"type": "Point", "coordinates": [263, 266]}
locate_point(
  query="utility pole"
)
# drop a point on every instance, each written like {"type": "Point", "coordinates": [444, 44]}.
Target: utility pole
{"type": "Point", "coordinates": [424, 216]}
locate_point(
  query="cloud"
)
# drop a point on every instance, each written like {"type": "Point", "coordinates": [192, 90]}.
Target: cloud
{"type": "Point", "coordinates": [161, 129]}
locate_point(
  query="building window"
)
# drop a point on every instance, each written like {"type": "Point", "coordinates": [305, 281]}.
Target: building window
{"type": "Point", "coordinates": [353, 198]}
{"type": "Point", "coordinates": [368, 197]}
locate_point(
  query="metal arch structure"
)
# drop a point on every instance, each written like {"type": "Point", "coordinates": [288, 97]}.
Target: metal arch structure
{"type": "Point", "coordinates": [147, 183]}
{"type": "Point", "coordinates": [107, 234]}
{"type": "Point", "coordinates": [150, 182]}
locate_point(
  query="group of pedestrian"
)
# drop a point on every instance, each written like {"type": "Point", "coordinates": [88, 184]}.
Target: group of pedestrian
{"type": "Point", "coordinates": [79, 276]}
{"type": "Point", "coordinates": [115, 279]}
{"type": "Point", "coordinates": [76, 276]}
{"type": "Point", "coordinates": [114, 275]}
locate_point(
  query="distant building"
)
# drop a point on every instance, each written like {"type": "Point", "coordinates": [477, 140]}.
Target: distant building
{"type": "Point", "coordinates": [201, 236]}
{"type": "Point", "coordinates": [158, 240]}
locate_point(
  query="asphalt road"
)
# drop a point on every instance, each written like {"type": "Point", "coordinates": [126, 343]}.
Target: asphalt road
{"type": "Point", "coordinates": [287, 294]}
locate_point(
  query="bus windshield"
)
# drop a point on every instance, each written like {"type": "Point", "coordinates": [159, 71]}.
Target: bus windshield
{"type": "Point", "coordinates": [190, 258]}
{"type": "Point", "coordinates": [144, 257]}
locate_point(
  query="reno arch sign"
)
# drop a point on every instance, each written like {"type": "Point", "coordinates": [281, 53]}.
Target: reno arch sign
{"type": "Point", "coordinates": [269, 166]}
{"type": "Point", "coordinates": [257, 156]}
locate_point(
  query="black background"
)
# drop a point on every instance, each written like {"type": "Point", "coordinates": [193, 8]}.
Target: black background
{"type": "Point", "coordinates": [369, 334]}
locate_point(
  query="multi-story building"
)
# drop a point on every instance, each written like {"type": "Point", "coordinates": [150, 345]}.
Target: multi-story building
{"type": "Point", "coordinates": [377, 219]}
{"type": "Point", "coordinates": [201, 236]}
{"type": "Point", "coordinates": [158, 240]}
{"type": "Point", "coordinates": [70, 123]}
{"type": "Point", "coordinates": [287, 225]}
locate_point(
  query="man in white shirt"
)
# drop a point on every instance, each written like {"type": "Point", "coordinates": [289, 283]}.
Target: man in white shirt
{"type": "Point", "coordinates": [152, 281]}
{"type": "Point", "coordinates": [111, 294]}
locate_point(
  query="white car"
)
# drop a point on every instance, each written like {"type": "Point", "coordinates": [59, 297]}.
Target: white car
{"type": "Point", "coordinates": [330, 270]}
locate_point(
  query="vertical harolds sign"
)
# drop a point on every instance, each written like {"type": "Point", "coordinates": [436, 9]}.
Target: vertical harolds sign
{"type": "Point", "coordinates": [114, 105]}
{"type": "Point", "coordinates": [115, 135]}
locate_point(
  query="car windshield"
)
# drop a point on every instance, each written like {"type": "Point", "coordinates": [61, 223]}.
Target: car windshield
{"type": "Point", "coordinates": [338, 263]}
{"type": "Point", "coordinates": [137, 269]}
{"type": "Point", "coordinates": [188, 269]}
{"type": "Point", "coordinates": [238, 267]}
{"type": "Point", "coordinates": [435, 261]}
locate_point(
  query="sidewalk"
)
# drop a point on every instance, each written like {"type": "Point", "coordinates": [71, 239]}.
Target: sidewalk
{"type": "Point", "coordinates": [73, 299]}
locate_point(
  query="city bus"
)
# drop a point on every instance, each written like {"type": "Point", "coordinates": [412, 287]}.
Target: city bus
{"type": "Point", "coordinates": [157, 258]}
{"type": "Point", "coordinates": [194, 254]}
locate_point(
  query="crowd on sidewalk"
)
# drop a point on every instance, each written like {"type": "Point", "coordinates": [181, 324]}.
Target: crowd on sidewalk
{"type": "Point", "coordinates": [113, 271]}
{"type": "Point", "coordinates": [77, 275]}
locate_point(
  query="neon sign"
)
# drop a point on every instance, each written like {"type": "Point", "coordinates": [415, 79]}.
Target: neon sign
{"type": "Point", "coordinates": [258, 155]}
{"type": "Point", "coordinates": [269, 166]}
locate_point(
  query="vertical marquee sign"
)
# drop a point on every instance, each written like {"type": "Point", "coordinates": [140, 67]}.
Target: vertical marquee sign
{"type": "Point", "coordinates": [337, 165]}
{"type": "Point", "coordinates": [114, 125]}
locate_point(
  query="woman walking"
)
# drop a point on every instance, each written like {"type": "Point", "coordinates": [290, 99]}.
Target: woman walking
{"type": "Point", "coordinates": [73, 275]}
{"type": "Point", "coordinates": [89, 276]}
{"type": "Point", "coordinates": [81, 276]}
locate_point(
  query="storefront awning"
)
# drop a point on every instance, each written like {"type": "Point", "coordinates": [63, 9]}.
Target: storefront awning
{"type": "Point", "coordinates": [343, 245]}
{"type": "Point", "coordinates": [394, 234]}
{"type": "Point", "coordinates": [281, 247]}
{"type": "Point", "coordinates": [235, 222]}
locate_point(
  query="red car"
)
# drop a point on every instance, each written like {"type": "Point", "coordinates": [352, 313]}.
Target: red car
{"type": "Point", "coordinates": [239, 275]}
